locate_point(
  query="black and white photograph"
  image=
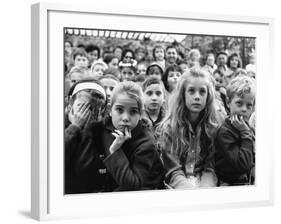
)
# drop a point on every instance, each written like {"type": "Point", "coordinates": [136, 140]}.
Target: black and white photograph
{"type": "Point", "coordinates": [157, 111]}
{"type": "Point", "coordinates": [148, 111]}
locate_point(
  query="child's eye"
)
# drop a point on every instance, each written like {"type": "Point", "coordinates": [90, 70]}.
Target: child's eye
{"type": "Point", "coordinates": [158, 93]}
{"type": "Point", "coordinates": [119, 110]}
{"type": "Point", "coordinates": [202, 92]}
{"type": "Point", "coordinates": [249, 106]}
{"type": "Point", "coordinates": [111, 88]}
{"type": "Point", "coordinates": [133, 112]}
{"type": "Point", "coordinates": [149, 93]}
{"type": "Point", "coordinates": [239, 103]}
{"type": "Point", "coordinates": [191, 91]}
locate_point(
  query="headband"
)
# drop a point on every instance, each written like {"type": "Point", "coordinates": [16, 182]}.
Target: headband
{"type": "Point", "coordinates": [132, 63]}
{"type": "Point", "coordinates": [89, 85]}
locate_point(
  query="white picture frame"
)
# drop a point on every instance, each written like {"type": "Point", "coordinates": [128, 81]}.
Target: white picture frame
{"type": "Point", "coordinates": [48, 201]}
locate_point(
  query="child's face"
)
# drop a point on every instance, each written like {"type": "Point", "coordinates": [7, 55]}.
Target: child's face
{"type": "Point", "coordinates": [210, 60]}
{"type": "Point", "coordinates": [153, 97]}
{"type": "Point", "coordinates": [155, 72]}
{"type": "Point", "coordinates": [242, 106]}
{"type": "Point", "coordinates": [84, 97]}
{"type": "Point", "coordinates": [159, 54]}
{"type": "Point", "coordinates": [81, 98]}
{"type": "Point", "coordinates": [128, 74]}
{"type": "Point", "coordinates": [234, 62]}
{"type": "Point", "coordinates": [171, 55]}
{"type": "Point", "coordinates": [184, 67]}
{"type": "Point", "coordinates": [172, 79]}
{"type": "Point", "coordinates": [194, 57]}
{"type": "Point", "coordinates": [141, 70]}
{"type": "Point", "coordinates": [128, 57]}
{"type": "Point", "coordinates": [67, 47]}
{"type": "Point", "coordinates": [81, 61]}
{"type": "Point", "coordinates": [140, 55]}
{"type": "Point", "coordinates": [196, 95]}
{"type": "Point", "coordinates": [221, 60]}
{"type": "Point", "coordinates": [108, 85]}
{"type": "Point", "coordinates": [118, 53]}
{"type": "Point", "coordinates": [98, 71]}
{"type": "Point", "coordinates": [113, 63]}
{"type": "Point", "coordinates": [125, 112]}
{"type": "Point", "coordinates": [219, 81]}
{"type": "Point", "coordinates": [93, 56]}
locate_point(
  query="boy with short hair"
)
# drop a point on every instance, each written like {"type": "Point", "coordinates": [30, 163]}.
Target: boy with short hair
{"type": "Point", "coordinates": [154, 99]}
{"type": "Point", "coordinates": [235, 139]}
{"type": "Point", "coordinates": [93, 53]}
{"type": "Point", "coordinates": [154, 70]}
{"type": "Point", "coordinates": [80, 58]}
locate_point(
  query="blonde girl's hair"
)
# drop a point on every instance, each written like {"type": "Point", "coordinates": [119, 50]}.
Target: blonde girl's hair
{"type": "Point", "coordinates": [173, 130]}
{"type": "Point", "coordinates": [132, 89]}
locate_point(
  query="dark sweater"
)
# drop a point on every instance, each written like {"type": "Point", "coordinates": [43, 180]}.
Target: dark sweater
{"type": "Point", "coordinates": [91, 168]}
{"type": "Point", "coordinates": [234, 155]}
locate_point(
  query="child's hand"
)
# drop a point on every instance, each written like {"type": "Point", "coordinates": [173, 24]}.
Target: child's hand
{"type": "Point", "coordinates": [239, 123]}
{"type": "Point", "coordinates": [81, 116]}
{"type": "Point", "coordinates": [120, 138]}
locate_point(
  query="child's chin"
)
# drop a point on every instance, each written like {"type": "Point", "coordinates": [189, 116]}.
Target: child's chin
{"type": "Point", "coordinates": [154, 107]}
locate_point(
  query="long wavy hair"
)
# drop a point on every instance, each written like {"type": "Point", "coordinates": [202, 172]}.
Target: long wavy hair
{"type": "Point", "coordinates": [173, 130]}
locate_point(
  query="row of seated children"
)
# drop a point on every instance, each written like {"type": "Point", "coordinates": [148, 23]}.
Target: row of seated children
{"type": "Point", "coordinates": [122, 136]}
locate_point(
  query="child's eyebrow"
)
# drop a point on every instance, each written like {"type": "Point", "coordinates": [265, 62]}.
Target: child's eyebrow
{"type": "Point", "coordinates": [119, 105]}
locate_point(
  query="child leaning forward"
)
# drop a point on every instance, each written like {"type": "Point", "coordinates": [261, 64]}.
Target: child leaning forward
{"type": "Point", "coordinates": [121, 151]}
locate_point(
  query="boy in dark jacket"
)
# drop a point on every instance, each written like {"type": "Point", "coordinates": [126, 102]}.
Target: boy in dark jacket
{"type": "Point", "coordinates": [235, 139]}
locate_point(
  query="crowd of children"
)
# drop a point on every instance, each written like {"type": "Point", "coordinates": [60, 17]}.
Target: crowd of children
{"type": "Point", "coordinates": [168, 122]}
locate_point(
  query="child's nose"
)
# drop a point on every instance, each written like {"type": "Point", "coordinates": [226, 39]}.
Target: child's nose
{"type": "Point", "coordinates": [244, 108]}
{"type": "Point", "coordinates": [107, 91]}
{"type": "Point", "coordinates": [154, 96]}
{"type": "Point", "coordinates": [125, 117]}
{"type": "Point", "coordinates": [197, 96]}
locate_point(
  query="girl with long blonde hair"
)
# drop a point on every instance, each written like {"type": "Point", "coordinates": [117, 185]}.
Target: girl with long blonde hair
{"type": "Point", "coordinates": [186, 134]}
